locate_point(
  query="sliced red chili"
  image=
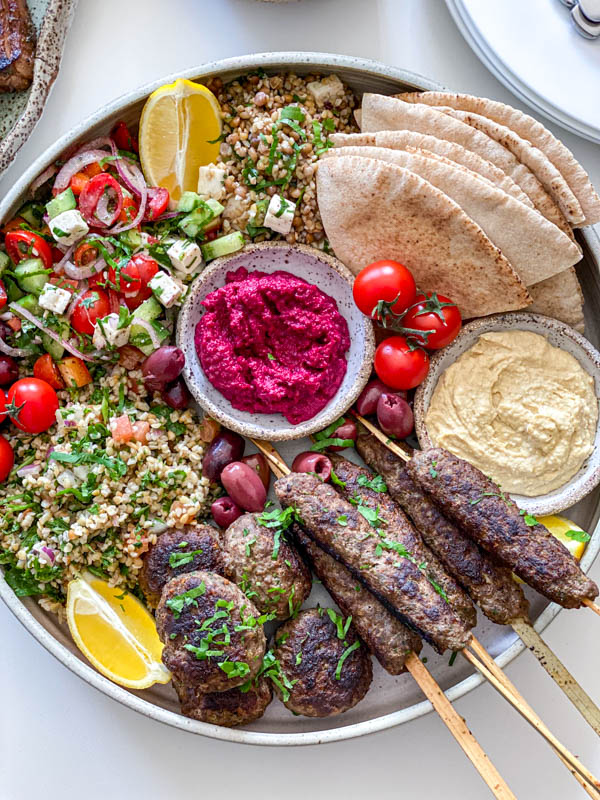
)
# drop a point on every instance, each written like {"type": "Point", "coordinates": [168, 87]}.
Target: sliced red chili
{"type": "Point", "coordinates": [158, 200]}
{"type": "Point", "coordinates": [101, 201]}
{"type": "Point", "coordinates": [27, 244]}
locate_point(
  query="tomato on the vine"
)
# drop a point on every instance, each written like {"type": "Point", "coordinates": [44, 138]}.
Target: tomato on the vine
{"type": "Point", "coordinates": [399, 365]}
{"type": "Point", "coordinates": [32, 405]}
{"type": "Point", "coordinates": [91, 305]}
{"type": "Point", "coordinates": [7, 459]}
{"type": "Point", "coordinates": [437, 316]}
{"type": "Point", "coordinates": [384, 280]}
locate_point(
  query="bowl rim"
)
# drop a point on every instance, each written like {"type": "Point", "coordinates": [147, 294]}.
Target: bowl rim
{"type": "Point", "coordinates": [587, 477]}
{"type": "Point", "coordinates": [329, 413]}
{"type": "Point", "coordinates": [285, 59]}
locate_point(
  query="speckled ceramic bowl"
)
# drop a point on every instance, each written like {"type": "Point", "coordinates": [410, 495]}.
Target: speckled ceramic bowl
{"type": "Point", "coordinates": [333, 278]}
{"type": "Point", "coordinates": [559, 335]}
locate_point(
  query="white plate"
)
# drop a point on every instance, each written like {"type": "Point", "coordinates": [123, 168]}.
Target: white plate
{"type": "Point", "coordinates": [534, 50]}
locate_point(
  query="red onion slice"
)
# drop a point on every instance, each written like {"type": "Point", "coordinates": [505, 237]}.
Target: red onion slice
{"type": "Point", "coordinates": [15, 352]}
{"type": "Point", "coordinates": [39, 324]}
{"type": "Point", "coordinates": [76, 164]}
{"type": "Point", "coordinates": [42, 178]}
{"type": "Point", "coordinates": [76, 298]}
{"type": "Point", "coordinates": [30, 469]}
{"type": "Point", "coordinates": [147, 326]}
{"type": "Point", "coordinates": [83, 273]}
{"type": "Point", "coordinates": [95, 144]}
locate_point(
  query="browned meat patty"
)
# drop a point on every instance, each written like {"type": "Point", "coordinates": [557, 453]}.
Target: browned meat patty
{"type": "Point", "coordinates": [385, 636]}
{"type": "Point", "coordinates": [491, 518]}
{"type": "Point", "coordinates": [328, 673]}
{"type": "Point", "coordinates": [178, 551]}
{"type": "Point", "coordinates": [375, 558]}
{"type": "Point", "coordinates": [490, 585]}
{"type": "Point", "coordinates": [359, 487]}
{"type": "Point", "coordinates": [228, 709]}
{"type": "Point", "coordinates": [265, 566]}
{"type": "Point", "coordinates": [213, 640]}
{"type": "Point", "coordinates": [17, 46]}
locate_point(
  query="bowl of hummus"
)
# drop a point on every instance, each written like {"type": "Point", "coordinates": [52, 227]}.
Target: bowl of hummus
{"type": "Point", "coordinates": [275, 346]}
{"type": "Point", "coordinates": [517, 396]}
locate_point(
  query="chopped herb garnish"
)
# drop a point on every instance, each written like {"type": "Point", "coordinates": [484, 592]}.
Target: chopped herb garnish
{"type": "Point", "coordinates": [181, 601]}
{"type": "Point", "coordinates": [181, 559]}
{"type": "Point", "coordinates": [578, 536]}
{"type": "Point", "coordinates": [377, 484]}
{"type": "Point", "coordinates": [343, 657]}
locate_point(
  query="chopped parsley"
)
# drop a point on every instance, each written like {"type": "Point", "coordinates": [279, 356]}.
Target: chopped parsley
{"type": "Point", "coordinates": [341, 625]}
{"type": "Point", "coordinates": [279, 520]}
{"type": "Point", "coordinates": [342, 520]}
{"type": "Point", "coordinates": [528, 519]}
{"type": "Point", "coordinates": [377, 484]}
{"type": "Point", "coordinates": [181, 601]}
{"type": "Point", "coordinates": [271, 668]}
{"type": "Point", "coordinates": [181, 559]}
{"type": "Point", "coordinates": [578, 536]}
{"type": "Point", "coordinates": [343, 657]}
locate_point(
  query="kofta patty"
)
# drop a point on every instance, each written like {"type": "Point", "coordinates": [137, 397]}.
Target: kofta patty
{"type": "Point", "coordinates": [230, 708]}
{"type": "Point", "coordinates": [178, 551]}
{"type": "Point", "coordinates": [267, 567]}
{"type": "Point", "coordinates": [212, 634]}
{"type": "Point", "coordinates": [327, 670]}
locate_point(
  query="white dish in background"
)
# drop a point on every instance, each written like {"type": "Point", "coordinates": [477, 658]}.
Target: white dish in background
{"type": "Point", "coordinates": [535, 51]}
{"type": "Point", "coordinates": [332, 278]}
{"type": "Point", "coordinates": [559, 335]}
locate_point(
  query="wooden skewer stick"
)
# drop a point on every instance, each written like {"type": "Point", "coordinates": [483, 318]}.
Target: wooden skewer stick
{"type": "Point", "coordinates": [483, 662]}
{"type": "Point", "coordinates": [523, 628]}
{"type": "Point", "coordinates": [593, 606]}
{"type": "Point", "coordinates": [451, 718]}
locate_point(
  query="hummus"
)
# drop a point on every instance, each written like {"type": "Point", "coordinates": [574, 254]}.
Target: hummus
{"type": "Point", "coordinates": [522, 411]}
{"type": "Point", "coordinates": [273, 343]}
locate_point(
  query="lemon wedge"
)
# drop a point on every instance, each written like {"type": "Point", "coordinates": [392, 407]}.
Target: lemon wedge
{"type": "Point", "coordinates": [180, 129]}
{"type": "Point", "coordinates": [115, 632]}
{"type": "Point", "coordinates": [558, 527]}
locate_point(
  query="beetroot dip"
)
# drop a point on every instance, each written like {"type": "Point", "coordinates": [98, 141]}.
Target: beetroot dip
{"type": "Point", "coordinates": [273, 343]}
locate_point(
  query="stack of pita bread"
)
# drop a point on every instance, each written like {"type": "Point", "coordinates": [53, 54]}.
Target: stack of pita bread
{"type": "Point", "coordinates": [476, 198]}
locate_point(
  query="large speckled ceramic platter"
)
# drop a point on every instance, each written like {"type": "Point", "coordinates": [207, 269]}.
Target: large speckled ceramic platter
{"type": "Point", "coordinates": [325, 272]}
{"type": "Point", "coordinates": [20, 111]}
{"type": "Point", "coordinates": [390, 700]}
{"type": "Point", "coordinates": [559, 335]}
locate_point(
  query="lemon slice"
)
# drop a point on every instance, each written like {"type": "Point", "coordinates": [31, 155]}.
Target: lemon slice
{"type": "Point", "coordinates": [179, 132]}
{"type": "Point", "coordinates": [116, 633]}
{"type": "Point", "coordinates": [558, 527]}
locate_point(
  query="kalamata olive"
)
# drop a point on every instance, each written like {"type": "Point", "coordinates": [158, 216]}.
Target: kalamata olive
{"type": "Point", "coordinates": [5, 330]}
{"type": "Point", "coordinates": [347, 430]}
{"type": "Point", "coordinates": [9, 370]}
{"type": "Point", "coordinates": [176, 394]}
{"type": "Point", "coordinates": [313, 462]}
{"type": "Point", "coordinates": [367, 399]}
{"type": "Point", "coordinates": [244, 486]}
{"type": "Point", "coordinates": [225, 511]}
{"type": "Point", "coordinates": [394, 415]}
{"type": "Point", "coordinates": [224, 448]}
{"type": "Point", "coordinates": [259, 464]}
{"type": "Point", "coordinates": [162, 366]}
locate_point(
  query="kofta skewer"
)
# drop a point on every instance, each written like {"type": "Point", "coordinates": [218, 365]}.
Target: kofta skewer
{"type": "Point", "coordinates": [510, 693]}
{"type": "Point", "coordinates": [454, 722]}
{"type": "Point", "coordinates": [490, 585]}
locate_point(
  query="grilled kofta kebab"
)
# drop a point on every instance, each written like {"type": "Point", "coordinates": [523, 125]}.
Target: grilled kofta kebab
{"type": "Point", "coordinates": [490, 585]}
{"type": "Point", "coordinates": [492, 519]}
{"type": "Point", "coordinates": [376, 558]}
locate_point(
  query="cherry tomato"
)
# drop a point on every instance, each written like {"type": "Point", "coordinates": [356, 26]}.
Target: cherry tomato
{"type": "Point", "coordinates": [146, 269]}
{"type": "Point", "coordinates": [384, 280]}
{"type": "Point", "coordinates": [33, 404]}
{"type": "Point", "coordinates": [3, 295]}
{"type": "Point", "coordinates": [3, 401]}
{"type": "Point", "coordinates": [129, 210]}
{"type": "Point", "coordinates": [432, 314]}
{"type": "Point", "coordinates": [398, 365]}
{"type": "Point", "coordinates": [125, 280]}
{"type": "Point", "coordinates": [158, 200]}
{"type": "Point", "coordinates": [46, 370]}
{"type": "Point", "coordinates": [114, 301]}
{"type": "Point", "coordinates": [123, 139]}
{"type": "Point", "coordinates": [102, 190]}
{"type": "Point", "coordinates": [91, 305]}
{"type": "Point", "coordinates": [27, 244]}
{"type": "Point", "coordinates": [78, 183]}
{"type": "Point", "coordinates": [84, 254]}
{"type": "Point", "coordinates": [15, 224]}
{"type": "Point", "coordinates": [7, 459]}
{"type": "Point", "coordinates": [136, 301]}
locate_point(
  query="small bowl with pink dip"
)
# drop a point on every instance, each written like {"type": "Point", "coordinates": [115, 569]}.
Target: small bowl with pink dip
{"type": "Point", "coordinates": [275, 346]}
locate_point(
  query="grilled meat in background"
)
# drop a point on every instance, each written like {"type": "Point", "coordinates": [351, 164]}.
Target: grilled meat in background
{"type": "Point", "coordinates": [17, 46]}
{"type": "Point", "coordinates": [228, 709]}
{"type": "Point", "coordinates": [490, 585]}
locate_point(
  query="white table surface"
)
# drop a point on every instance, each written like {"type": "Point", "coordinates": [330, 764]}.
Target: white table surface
{"type": "Point", "coordinates": [59, 738]}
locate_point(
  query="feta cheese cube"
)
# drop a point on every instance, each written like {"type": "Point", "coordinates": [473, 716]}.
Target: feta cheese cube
{"type": "Point", "coordinates": [280, 214]}
{"type": "Point", "coordinates": [108, 333]}
{"type": "Point", "coordinates": [185, 256]}
{"type": "Point", "coordinates": [210, 182]}
{"type": "Point", "coordinates": [68, 227]}
{"type": "Point", "coordinates": [165, 289]}
{"type": "Point", "coordinates": [328, 90]}
{"type": "Point", "coordinates": [53, 298]}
